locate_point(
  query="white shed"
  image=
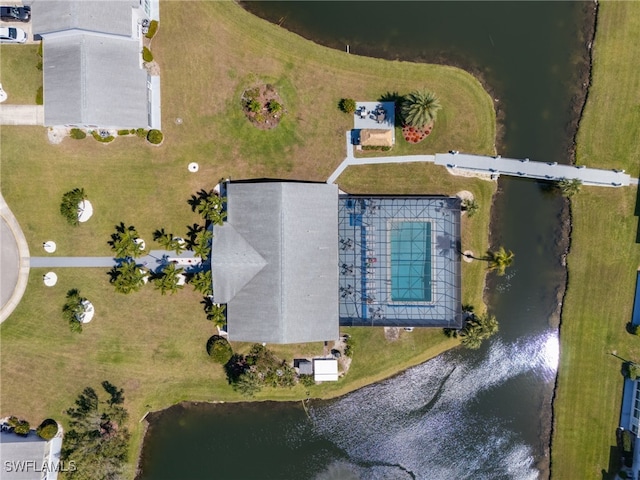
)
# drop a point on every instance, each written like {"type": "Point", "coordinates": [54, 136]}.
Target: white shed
{"type": "Point", "coordinates": [325, 370]}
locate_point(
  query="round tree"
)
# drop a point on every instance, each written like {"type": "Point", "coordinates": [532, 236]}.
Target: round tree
{"type": "Point", "coordinates": [47, 429]}
{"type": "Point", "coordinates": [219, 349]}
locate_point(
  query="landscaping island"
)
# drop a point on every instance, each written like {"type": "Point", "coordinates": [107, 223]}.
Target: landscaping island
{"type": "Point", "coordinates": [152, 346]}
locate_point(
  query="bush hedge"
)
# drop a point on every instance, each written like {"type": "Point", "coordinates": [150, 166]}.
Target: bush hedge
{"type": "Point", "coordinates": [123, 132]}
{"type": "Point", "coordinates": [77, 134]}
{"type": "Point", "coordinates": [219, 349]}
{"type": "Point", "coordinates": [155, 137]}
{"type": "Point", "coordinates": [21, 427]}
{"type": "Point", "coordinates": [347, 105]}
{"type": "Point", "coordinates": [47, 429]}
{"type": "Point", "coordinates": [153, 28]}
{"type": "Point", "coordinates": [141, 132]}
{"type": "Point", "coordinates": [147, 56]}
{"type": "Point", "coordinates": [97, 136]}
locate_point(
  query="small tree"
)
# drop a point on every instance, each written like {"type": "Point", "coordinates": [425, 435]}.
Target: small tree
{"type": "Point", "coordinates": [168, 280]}
{"type": "Point", "coordinates": [73, 309]}
{"type": "Point", "coordinates": [347, 105]}
{"type": "Point", "coordinates": [124, 242]}
{"type": "Point", "coordinates": [349, 343]}
{"type": "Point", "coordinates": [569, 187]}
{"type": "Point", "coordinates": [254, 106]}
{"type": "Point", "coordinates": [219, 349]}
{"type": "Point", "coordinates": [499, 260]}
{"type": "Point", "coordinates": [419, 108]}
{"type": "Point", "coordinates": [202, 282]}
{"type": "Point", "coordinates": [69, 205]}
{"type": "Point", "coordinates": [127, 277]}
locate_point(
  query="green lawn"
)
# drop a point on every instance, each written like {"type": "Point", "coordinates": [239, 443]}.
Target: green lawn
{"type": "Point", "coordinates": [603, 261]}
{"type": "Point", "coordinates": [19, 73]}
{"type": "Point", "coordinates": [153, 346]}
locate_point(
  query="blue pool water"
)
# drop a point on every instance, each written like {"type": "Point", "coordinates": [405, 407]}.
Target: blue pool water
{"type": "Point", "coordinates": [411, 261]}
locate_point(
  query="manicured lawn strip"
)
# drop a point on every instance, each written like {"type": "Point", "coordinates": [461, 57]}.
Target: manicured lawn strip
{"type": "Point", "coordinates": [603, 261]}
{"type": "Point", "coordinates": [153, 346]}
{"type": "Point", "coordinates": [19, 74]}
{"type": "Point", "coordinates": [610, 128]}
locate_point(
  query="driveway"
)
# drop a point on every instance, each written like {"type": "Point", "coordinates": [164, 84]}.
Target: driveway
{"type": "Point", "coordinates": [21, 114]}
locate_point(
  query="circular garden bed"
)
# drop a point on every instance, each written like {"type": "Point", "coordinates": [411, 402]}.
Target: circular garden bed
{"type": "Point", "coordinates": [262, 106]}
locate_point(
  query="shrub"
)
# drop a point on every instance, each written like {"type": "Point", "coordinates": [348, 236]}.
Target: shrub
{"type": "Point", "coordinates": [69, 205]}
{"type": "Point", "coordinates": [260, 117]}
{"type": "Point", "coordinates": [275, 107]}
{"type": "Point", "coordinates": [47, 429]}
{"type": "Point", "coordinates": [307, 380]}
{"type": "Point", "coordinates": [349, 343]}
{"type": "Point", "coordinates": [147, 56]}
{"type": "Point", "coordinates": [21, 427]}
{"type": "Point", "coordinates": [219, 349]}
{"type": "Point", "coordinates": [347, 105]}
{"type": "Point", "coordinates": [376, 148]}
{"type": "Point", "coordinates": [254, 106]}
{"type": "Point", "coordinates": [470, 206]}
{"type": "Point", "coordinates": [100, 138]}
{"type": "Point", "coordinates": [153, 28]}
{"type": "Point", "coordinates": [123, 132]}
{"type": "Point", "coordinates": [155, 137]}
{"type": "Point", "coordinates": [141, 132]}
{"type": "Point", "coordinates": [40, 96]}
{"type": "Point", "coordinates": [77, 134]}
{"type": "Point", "coordinates": [252, 93]}
{"type": "Point", "coordinates": [132, 131]}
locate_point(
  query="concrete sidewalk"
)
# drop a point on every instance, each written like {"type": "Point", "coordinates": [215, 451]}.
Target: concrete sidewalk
{"type": "Point", "coordinates": [21, 114]}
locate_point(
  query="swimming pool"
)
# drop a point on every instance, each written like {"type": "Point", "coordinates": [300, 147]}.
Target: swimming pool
{"type": "Point", "coordinates": [410, 245]}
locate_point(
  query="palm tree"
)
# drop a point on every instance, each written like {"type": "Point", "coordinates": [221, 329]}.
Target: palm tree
{"type": "Point", "coordinates": [69, 205]}
{"type": "Point", "coordinates": [163, 238]}
{"type": "Point", "coordinates": [470, 206]}
{"type": "Point", "coordinates": [569, 187]}
{"type": "Point", "coordinates": [499, 260]}
{"type": "Point", "coordinates": [477, 329]}
{"type": "Point", "coordinates": [217, 313]}
{"type": "Point", "coordinates": [168, 279]}
{"type": "Point", "coordinates": [124, 242]}
{"type": "Point", "coordinates": [202, 282]}
{"type": "Point", "coordinates": [202, 244]}
{"type": "Point", "coordinates": [127, 277]}
{"type": "Point", "coordinates": [73, 309]}
{"type": "Point", "coordinates": [211, 208]}
{"type": "Point", "coordinates": [420, 108]}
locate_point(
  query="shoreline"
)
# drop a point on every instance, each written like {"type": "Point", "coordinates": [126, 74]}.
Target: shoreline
{"type": "Point", "coordinates": [567, 223]}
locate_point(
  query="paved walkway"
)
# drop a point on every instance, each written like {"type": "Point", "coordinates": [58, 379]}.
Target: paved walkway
{"type": "Point", "coordinates": [14, 260]}
{"type": "Point", "coordinates": [153, 260]}
{"type": "Point", "coordinates": [493, 167]}
{"type": "Point", "coordinates": [21, 114]}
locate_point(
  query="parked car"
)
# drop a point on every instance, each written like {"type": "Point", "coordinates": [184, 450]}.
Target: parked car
{"type": "Point", "coordinates": [12, 35]}
{"type": "Point", "coordinates": [15, 14]}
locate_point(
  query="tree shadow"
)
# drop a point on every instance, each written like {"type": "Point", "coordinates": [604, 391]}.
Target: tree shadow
{"type": "Point", "coordinates": [192, 234]}
{"type": "Point", "coordinates": [614, 464]}
{"type": "Point", "coordinates": [198, 197]}
{"type": "Point", "coordinates": [630, 328]}
{"type": "Point", "coordinates": [397, 99]}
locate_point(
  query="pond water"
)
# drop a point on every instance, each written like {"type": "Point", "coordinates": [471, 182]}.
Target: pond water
{"type": "Point", "coordinates": [466, 414]}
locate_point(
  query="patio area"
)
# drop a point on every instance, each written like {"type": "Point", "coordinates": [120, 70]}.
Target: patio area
{"type": "Point", "coordinates": [374, 116]}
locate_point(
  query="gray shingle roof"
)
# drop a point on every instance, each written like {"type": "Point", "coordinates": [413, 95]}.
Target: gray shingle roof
{"type": "Point", "coordinates": [15, 448]}
{"type": "Point", "coordinates": [94, 80]}
{"type": "Point", "coordinates": [112, 17]}
{"type": "Point", "coordinates": [293, 296]}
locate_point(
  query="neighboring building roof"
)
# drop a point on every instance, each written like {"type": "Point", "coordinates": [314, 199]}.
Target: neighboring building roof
{"type": "Point", "coordinates": [325, 370]}
{"type": "Point", "coordinates": [305, 367]}
{"type": "Point", "coordinates": [111, 17]}
{"type": "Point", "coordinates": [94, 80]}
{"type": "Point", "coordinates": [376, 138]}
{"type": "Point", "coordinates": [16, 448]}
{"type": "Point", "coordinates": [275, 262]}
